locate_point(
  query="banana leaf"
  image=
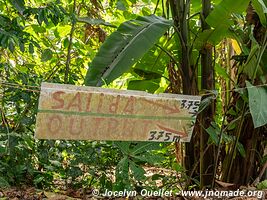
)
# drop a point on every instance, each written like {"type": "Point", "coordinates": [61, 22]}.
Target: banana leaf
{"type": "Point", "coordinates": [124, 47]}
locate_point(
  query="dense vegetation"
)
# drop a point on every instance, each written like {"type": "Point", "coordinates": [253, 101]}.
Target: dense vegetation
{"type": "Point", "coordinates": [216, 49]}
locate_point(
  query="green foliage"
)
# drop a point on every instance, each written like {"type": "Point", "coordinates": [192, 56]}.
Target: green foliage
{"type": "Point", "coordinates": [133, 155]}
{"type": "Point", "coordinates": [148, 85]}
{"type": "Point", "coordinates": [261, 9]}
{"type": "Point", "coordinates": [249, 65]}
{"type": "Point", "coordinates": [221, 13]}
{"type": "Point", "coordinates": [257, 104]}
{"type": "Point", "coordinates": [35, 41]}
{"type": "Point", "coordinates": [19, 5]}
{"type": "Point", "coordinates": [262, 185]}
{"type": "Point", "coordinates": [46, 55]}
{"type": "Point", "coordinates": [125, 47]}
{"type": "Point", "coordinates": [206, 102]}
{"type": "Point", "coordinates": [214, 132]}
{"type": "Point", "coordinates": [4, 183]}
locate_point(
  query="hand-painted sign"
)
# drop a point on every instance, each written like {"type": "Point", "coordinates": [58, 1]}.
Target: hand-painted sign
{"type": "Point", "coordinates": [90, 113]}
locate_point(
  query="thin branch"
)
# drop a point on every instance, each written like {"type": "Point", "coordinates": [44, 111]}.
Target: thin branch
{"type": "Point", "coordinates": [171, 56]}
{"type": "Point", "coordinates": [168, 53]}
{"type": "Point", "coordinates": [67, 70]}
{"type": "Point", "coordinates": [180, 36]}
{"type": "Point", "coordinates": [169, 39]}
{"type": "Point", "coordinates": [156, 7]}
{"type": "Point", "coordinates": [195, 14]}
{"type": "Point", "coordinates": [195, 167]}
{"type": "Point", "coordinates": [163, 9]}
{"type": "Point", "coordinates": [219, 146]}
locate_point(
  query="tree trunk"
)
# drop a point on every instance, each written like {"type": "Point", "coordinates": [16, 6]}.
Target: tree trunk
{"type": "Point", "coordinates": [180, 12]}
{"type": "Point", "coordinates": [207, 83]}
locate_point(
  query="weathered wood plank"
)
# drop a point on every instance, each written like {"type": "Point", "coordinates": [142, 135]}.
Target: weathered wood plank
{"type": "Point", "coordinates": [90, 113]}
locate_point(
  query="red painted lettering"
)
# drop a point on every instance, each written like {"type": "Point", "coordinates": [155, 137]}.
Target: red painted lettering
{"type": "Point", "coordinates": [75, 102]}
{"type": "Point", "coordinates": [113, 107]}
{"type": "Point", "coordinates": [112, 125]}
{"type": "Point", "coordinates": [128, 126]}
{"type": "Point", "coordinates": [129, 108]}
{"type": "Point", "coordinates": [54, 124]}
{"type": "Point", "coordinates": [99, 107]}
{"type": "Point", "coordinates": [60, 102]}
{"type": "Point", "coordinates": [98, 122]}
{"type": "Point", "coordinates": [88, 102]}
{"type": "Point", "coordinates": [145, 125]}
{"type": "Point", "coordinates": [75, 126]}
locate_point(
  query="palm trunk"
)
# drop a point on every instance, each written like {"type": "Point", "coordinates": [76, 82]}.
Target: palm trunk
{"type": "Point", "coordinates": [207, 83]}
{"type": "Point", "coordinates": [180, 13]}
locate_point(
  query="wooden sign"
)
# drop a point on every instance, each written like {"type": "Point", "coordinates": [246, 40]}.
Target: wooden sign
{"type": "Point", "coordinates": [91, 113]}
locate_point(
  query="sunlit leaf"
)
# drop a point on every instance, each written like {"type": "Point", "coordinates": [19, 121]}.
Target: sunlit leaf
{"type": "Point", "coordinates": [221, 71]}
{"type": "Point", "coordinates": [38, 29]}
{"type": "Point", "coordinates": [220, 19]}
{"type": "Point", "coordinates": [147, 85]}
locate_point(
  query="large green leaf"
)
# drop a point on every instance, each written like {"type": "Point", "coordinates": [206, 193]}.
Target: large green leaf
{"type": "Point", "coordinates": [147, 85]}
{"type": "Point", "coordinates": [220, 20]}
{"type": "Point", "coordinates": [223, 11]}
{"type": "Point", "coordinates": [154, 61]}
{"type": "Point", "coordinates": [213, 36]}
{"type": "Point", "coordinates": [257, 104]}
{"type": "Point", "coordinates": [125, 47]}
